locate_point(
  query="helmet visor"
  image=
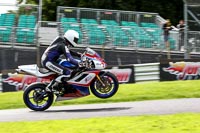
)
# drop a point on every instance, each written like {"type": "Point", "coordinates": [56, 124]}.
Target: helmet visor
{"type": "Point", "coordinates": [75, 40]}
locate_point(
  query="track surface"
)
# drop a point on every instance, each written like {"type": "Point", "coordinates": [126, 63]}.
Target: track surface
{"type": "Point", "coordinates": [155, 107]}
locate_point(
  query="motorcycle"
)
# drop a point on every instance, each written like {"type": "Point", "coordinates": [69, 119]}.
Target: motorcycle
{"type": "Point", "coordinates": [92, 77]}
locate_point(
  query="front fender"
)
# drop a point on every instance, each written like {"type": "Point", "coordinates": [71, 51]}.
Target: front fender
{"type": "Point", "coordinates": [103, 73]}
{"type": "Point", "coordinates": [35, 83]}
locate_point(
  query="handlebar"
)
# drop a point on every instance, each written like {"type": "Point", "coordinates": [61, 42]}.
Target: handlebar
{"type": "Point", "coordinates": [86, 62]}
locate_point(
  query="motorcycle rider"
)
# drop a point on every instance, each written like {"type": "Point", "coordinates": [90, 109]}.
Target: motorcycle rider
{"type": "Point", "coordinates": [60, 46]}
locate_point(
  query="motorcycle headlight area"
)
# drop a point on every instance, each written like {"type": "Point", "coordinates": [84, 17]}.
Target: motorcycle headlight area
{"type": "Point", "coordinates": [98, 64]}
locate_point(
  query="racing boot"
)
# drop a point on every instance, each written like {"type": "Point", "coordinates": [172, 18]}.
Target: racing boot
{"type": "Point", "coordinates": [55, 84]}
{"type": "Point", "coordinates": [52, 86]}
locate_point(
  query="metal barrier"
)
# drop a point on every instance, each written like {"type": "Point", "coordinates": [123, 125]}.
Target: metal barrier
{"type": "Point", "coordinates": [194, 41]}
{"type": "Point", "coordinates": [19, 27]}
{"type": "Point", "coordinates": [116, 28]}
{"type": "Point", "coordinates": [174, 40]}
{"type": "Point", "coordinates": [98, 27]}
{"type": "Point", "coordinates": [18, 36]}
{"type": "Point", "coordinates": [103, 14]}
{"type": "Point", "coordinates": [134, 37]}
{"type": "Point", "coordinates": [160, 21]}
{"type": "Point", "coordinates": [147, 72]}
{"type": "Point", "coordinates": [192, 14]}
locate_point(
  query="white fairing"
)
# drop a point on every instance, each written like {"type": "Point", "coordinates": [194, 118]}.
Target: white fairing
{"type": "Point", "coordinates": [83, 81]}
{"type": "Point", "coordinates": [33, 70]}
{"type": "Point", "coordinates": [99, 65]}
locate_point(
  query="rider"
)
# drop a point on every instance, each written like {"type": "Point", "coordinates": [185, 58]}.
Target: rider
{"type": "Point", "coordinates": [60, 46]}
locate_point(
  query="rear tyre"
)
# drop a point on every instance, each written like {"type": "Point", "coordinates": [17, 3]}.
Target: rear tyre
{"type": "Point", "coordinates": [109, 88]}
{"type": "Point", "coordinates": [36, 98]}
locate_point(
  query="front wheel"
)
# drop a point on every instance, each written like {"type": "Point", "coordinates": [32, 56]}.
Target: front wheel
{"type": "Point", "coordinates": [36, 98]}
{"type": "Point", "coordinates": [105, 88]}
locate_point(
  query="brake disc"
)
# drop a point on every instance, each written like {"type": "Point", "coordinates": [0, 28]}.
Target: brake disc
{"type": "Point", "coordinates": [106, 87]}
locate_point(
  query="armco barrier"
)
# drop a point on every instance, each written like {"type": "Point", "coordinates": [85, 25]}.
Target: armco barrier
{"type": "Point", "coordinates": [147, 72]}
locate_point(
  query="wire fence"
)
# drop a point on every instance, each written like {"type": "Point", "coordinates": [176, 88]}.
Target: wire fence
{"type": "Point", "coordinates": [19, 27]}
{"type": "Point", "coordinates": [18, 36]}
{"type": "Point", "coordinates": [74, 14]}
{"type": "Point", "coordinates": [97, 27]}
{"type": "Point", "coordinates": [115, 28]}
{"type": "Point", "coordinates": [194, 41]}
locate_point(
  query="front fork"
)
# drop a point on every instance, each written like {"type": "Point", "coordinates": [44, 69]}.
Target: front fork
{"type": "Point", "coordinates": [100, 80]}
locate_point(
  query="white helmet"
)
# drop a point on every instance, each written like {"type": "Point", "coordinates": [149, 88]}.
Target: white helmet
{"type": "Point", "coordinates": [72, 36]}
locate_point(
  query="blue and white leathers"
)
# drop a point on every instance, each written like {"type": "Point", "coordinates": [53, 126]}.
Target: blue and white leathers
{"type": "Point", "coordinates": [51, 55]}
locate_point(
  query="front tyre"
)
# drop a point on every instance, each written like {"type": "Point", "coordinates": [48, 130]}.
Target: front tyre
{"type": "Point", "coordinates": [36, 98]}
{"type": "Point", "coordinates": [108, 88]}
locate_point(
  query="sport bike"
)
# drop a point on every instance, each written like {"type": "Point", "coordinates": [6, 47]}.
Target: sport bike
{"type": "Point", "coordinates": [91, 78]}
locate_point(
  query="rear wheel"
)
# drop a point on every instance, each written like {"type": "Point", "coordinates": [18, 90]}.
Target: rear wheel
{"type": "Point", "coordinates": [105, 88]}
{"type": "Point", "coordinates": [36, 98]}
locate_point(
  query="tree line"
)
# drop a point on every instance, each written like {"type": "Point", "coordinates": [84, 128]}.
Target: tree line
{"type": "Point", "coordinates": [168, 9]}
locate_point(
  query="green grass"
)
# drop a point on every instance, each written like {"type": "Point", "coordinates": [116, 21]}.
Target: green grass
{"type": "Point", "coordinates": [127, 92]}
{"type": "Point", "coordinates": [177, 123]}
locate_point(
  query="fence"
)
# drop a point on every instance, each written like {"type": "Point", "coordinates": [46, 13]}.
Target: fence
{"type": "Point", "coordinates": [115, 28]}
{"type": "Point", "coordinates": [194, 41]}
{"type": "Point", "coordinates": [134, 37]}
{"type": "Point", "coordinates": [18, 36]}
{"type": "Point", "coordinates": [192, 11]}
{"type": "Point", "coordinates": [19, 27]}
{"type": "Point", "coordinates": [79, 14]}
{"type": "Point", "coordinates": [97, 27]}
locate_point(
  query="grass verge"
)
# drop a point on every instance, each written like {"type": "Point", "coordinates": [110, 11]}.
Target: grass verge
{"type": "Point", "coordinates": [177, 123]}
{"type": "Point", "coordinates": [127, 92]}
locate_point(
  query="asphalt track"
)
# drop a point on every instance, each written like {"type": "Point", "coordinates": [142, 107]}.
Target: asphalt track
{"type": "Point", "coordinates": [154, 107]}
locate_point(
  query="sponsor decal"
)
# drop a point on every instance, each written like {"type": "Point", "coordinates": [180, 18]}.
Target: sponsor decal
{"type": "Point", "coordinates": [184, 70]}
{"type": "Point", "coordinates": [88, 78]}
{"type": "Point", "coordinates": [20, 81]}
{"type": "Point", "coordinates": [123, 74]}
{"type": "Point", "coordinates": [54, 68]}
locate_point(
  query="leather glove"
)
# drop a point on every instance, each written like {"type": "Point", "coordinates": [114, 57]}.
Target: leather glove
{"type": "Point", "coordinates": [79, 54]}
{"type": "Point", "coordinates": [81, 64]}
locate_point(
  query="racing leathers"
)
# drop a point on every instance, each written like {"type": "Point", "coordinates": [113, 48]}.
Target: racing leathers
{"type": "Point", "coordinates": [51, 55]}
